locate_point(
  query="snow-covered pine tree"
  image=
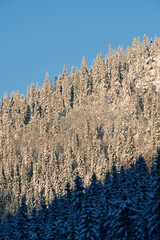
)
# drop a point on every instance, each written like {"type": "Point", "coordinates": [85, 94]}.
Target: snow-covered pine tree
{"type": "Point", "coordinates": [135, 196]}
{"type": "Point", "coordinates": [122, 180]}
{"type": "Point", "coordinates": [106, 198]}
{"type": "Point", "coordinates": [154, 221]}
{"type": "Point", "coordinates": [89, 224]}
{"type": "Point", "coordinates": [132, 181]}
{"type": "Point", "coordinates": [78, 195]}
{"type": "Point", "coordinates": [42, 214]}
{"type": "Point", "coordinates": [73, 231]}
{"type": "Point", "coordinates": [113, 192]}
{"type": "Point", "coordinates": [114, 181]}
{"type": "Point", "coordinates": [9, 227]}
{"type": "Point", "coordinates": [68, 192]}
{"type": "Point", "coordinates": [123, 221]}
{"type": "Point", "coordinates": [53, 215]}
{"type": "Point", "coordinates": [35, 231]}
{"type": "Point", "coordinates": [142, 195]}
{"type": "Point", "coordinates": [27, 115]}
{"type": "Point", "coordinates": [62, 220]}
{"type": "Point", "coordinates": [22, 221]}
{"type": "Point", "coordinates": [143, 177]}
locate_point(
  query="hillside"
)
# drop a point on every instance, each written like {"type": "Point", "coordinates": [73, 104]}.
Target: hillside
{"type": "Point", "coordinates": [84, 122]}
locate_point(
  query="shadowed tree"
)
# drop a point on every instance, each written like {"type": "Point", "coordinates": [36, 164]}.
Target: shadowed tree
{"type": "Point", "coordinates": [154, 222]}
{"type": "Point", "coordinates": [22, 221]}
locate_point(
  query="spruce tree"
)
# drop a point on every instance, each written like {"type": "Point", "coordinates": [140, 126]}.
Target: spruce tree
{"type": "Point", "coordinates": [107, 196]}
{"type": "Point", "coordinates": [154, 221]}
{"type": "Point", "coordinates": [53, 215]}
{"type": "Point", "coordinates": [62, 220]}
{"type": "Point", "coordinates": [68, 192]}
{"type": "Point", "coordinates": [27, 116]}
{"type": "Point", "coordinates": [9, 227]}
{"type": "Point", "coordinates": [34, 231]}
{"type": "Point", "coordinates": [22, 221]}
{"type": "Point", "coordinates": [123, 221]}
{"type": "Point", "coordinates": [78, 195]}
{"type": "Point", "coordinates": [114, 181]}
{"type": "Point", "coordinates": [143, 182]}
{"type": "Point", "coordinates": [89, 224]}
{"type": "Point", "coordinates": [73, 230]}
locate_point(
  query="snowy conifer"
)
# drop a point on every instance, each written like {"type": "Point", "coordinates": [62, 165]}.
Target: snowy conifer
{"type": "Point", "coordinates": [9, 228]}
{"type": "Point", "coordinates": [123, 220]}
{"type": "Point", "coordinates": [22, 221]}
{"type": "Point", "coordinates": [89, 223]}
{"type": "Point", "coordinates": [154, 222]}
{"type": "Point", "coordinates": [34, 231]}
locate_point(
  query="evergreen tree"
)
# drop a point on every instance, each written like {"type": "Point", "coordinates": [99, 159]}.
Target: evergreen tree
{"type": "Point", "coordinates": [89, 224]}
{"type": "Point", "coordinates": [114, 181]}
{"type": "Point", "coordinates": [27, 116]}
{"type": "Point", "coordinates": [78, 195]}
{"type": "Point", "coordinates": [73, 230]}
{"type": "Point", "coordinates": [72, 96]}
{"type": "Point", "coordinates": [9, 227]}
{"type": "Point", "coordinates": [143, 177]}
{"type": "Point", "coordinates": [107, 196]}
{"type": "Point", "coordinates": [53, 215]}
{"type": "Point", "coordinates": [154, 222]}
{"type": "Point", "coordinates": [123, 221]}
{"type": "Point", "coordinates": [22, 221]}
{"type": "Point", "coordinates": [62, 221]}
{"type": "Point", "coordinates": [68, 192]}
{"type": "Point", "coordinates": [35, 231]}
{"type": "Point", "coordinates": [93, 189]}
{"type": "Point", "coordinates": [122, 180]}
{"type": "Point", "coordinates": [132, 182]}
{"type": "Point", "coordinates": [112, 199]}
{"type": "Point", "coordinates": [143, 182]}
{"type": "Point", "coordinates": [42, 214]}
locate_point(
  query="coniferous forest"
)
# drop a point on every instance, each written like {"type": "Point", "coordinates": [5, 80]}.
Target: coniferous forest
{"type": "Point", "coordinates": [125, 206]}
{"type": "Point", "coordinates": [72, 152]}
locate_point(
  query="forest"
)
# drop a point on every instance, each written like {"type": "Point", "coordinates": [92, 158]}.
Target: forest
{"type": "Point", "coordinates": [125, 206]}
{"type": "Point", "coordinates": [81, 124]}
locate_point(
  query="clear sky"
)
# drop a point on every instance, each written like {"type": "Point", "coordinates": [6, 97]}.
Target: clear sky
{"type": "Point", "coordinates": [37, 36]}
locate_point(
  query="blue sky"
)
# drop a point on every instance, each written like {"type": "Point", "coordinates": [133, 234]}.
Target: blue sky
{"type": "Point", "coordinates": [44, 35]}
